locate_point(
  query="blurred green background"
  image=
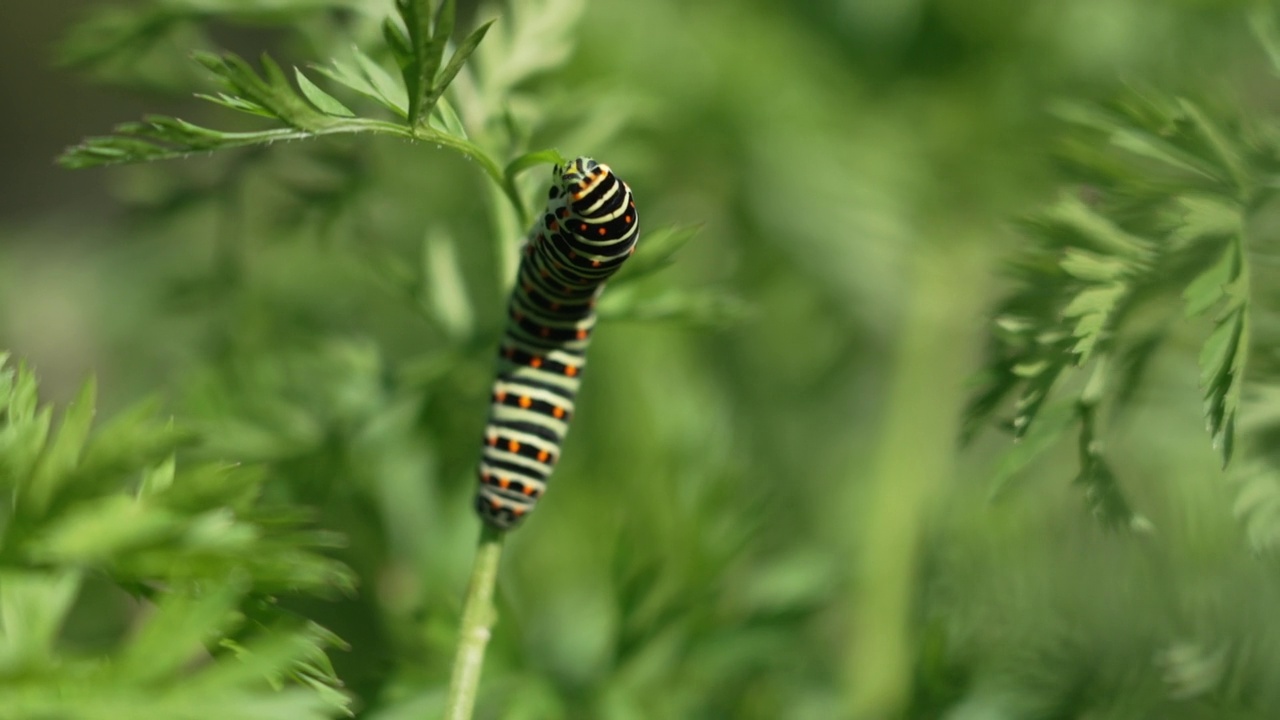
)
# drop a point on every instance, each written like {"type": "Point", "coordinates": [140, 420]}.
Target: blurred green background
{"type": "Point", "coordinates": [762, 511]}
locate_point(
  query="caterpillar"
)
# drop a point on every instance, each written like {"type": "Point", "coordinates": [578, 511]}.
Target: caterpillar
{"type": "Point", "coordinates": [589, 228]}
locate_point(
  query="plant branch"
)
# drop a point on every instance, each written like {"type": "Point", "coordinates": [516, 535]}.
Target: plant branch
{"type": "Point", "coordinates": [478, 617]}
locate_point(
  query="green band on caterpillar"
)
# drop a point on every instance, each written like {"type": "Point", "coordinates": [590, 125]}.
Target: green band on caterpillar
{"type": "Point", "coordinates": [589, 228]}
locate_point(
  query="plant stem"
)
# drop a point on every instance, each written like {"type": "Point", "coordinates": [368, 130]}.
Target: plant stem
{"type": "Point", "coordinates": [478, 617]}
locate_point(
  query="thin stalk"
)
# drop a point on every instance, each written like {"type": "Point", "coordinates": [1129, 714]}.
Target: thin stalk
{"type": "Point", "coordinates": [478, 617]}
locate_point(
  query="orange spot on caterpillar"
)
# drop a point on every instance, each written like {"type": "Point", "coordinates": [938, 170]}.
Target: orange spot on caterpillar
{"type": "Point", "coordinates": [627, 219]}
{"type": "Point", "coordinates": [528, 490]}
{"type": "Point", "coordinates": [582, 227]}
{"type": "Point", "coordinates": [573, 255]}
{"type": "Point", "coordinates": [556, 226]}
{"type": "Point", "coordinates": [602, 232]}
{"type": "Point", "coordinates": [558, 412]}
{"type": "Point", "coordinates": [543, 455]}
{"type": "Point", "coordinates": [525, 402]}
{"type": "Point", "coordinates": [486, 477]}
{"type": "Point", "coordinates": [513, 446]}
{"type": "Point", "coordinates": [500, 396]}
{"type": "Point", "coordinates": [535, 362]}
{"type": "Point", "coordinates": [582, 334]}
{"type": "Point", "coordinates": [570, 370]}
{"type": "Point", "coordinates": [504, 482]}
{"type": "Point", "coordinates": [564, 212]}
{"type": "Point", "coordinates": [493, 439]}
{"type": "Point", "coordinates": [494, 504]}
{"type": "Point", "coordinates": [595, 263]}
{"type": "Point", "coordinates": [517, 511]}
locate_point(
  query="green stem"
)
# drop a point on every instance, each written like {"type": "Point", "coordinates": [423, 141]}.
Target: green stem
{"type": "Point", "coordinates": [478, 617]}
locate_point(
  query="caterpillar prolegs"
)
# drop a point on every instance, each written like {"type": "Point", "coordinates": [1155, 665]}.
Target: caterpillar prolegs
{"type": "Point", "coordinates": [588, 229]}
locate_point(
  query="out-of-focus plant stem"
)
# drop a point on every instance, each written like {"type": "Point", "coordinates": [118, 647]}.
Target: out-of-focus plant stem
{"type": "Point", "coordinates": [914, 463]}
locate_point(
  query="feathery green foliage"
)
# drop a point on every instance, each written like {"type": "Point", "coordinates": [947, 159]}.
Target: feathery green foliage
{"type": "Point", "coordinates": [111, 511]}
{"type": "Point", "coordinates": [1162, 205]}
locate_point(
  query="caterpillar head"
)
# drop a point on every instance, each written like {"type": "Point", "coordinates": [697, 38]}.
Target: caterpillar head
{"type": "Point", "coordinates": [570, 181]}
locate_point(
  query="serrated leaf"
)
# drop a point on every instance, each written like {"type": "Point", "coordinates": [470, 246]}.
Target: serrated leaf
{"type": "Point", "coordinates": [33, 606]}
{"type": "Point", "coordinates": [1208, 287]}
{"type": "Point", "coordinates": [443, 282]}
{"type": "Point", "coordinates": [1262, 21]}
{"type": "Point", "coordinates": [1151, 147]}
{"type": "Point", "coordinates": [696, 308]}
{"type": "Point", "coordinates": [444, 119]}
{"type": "Point", "coordinates": [1098, 230]}
{"type": "Point", "coordinates": [157, 479]}
{"type": "Point", "coordinates": [1228, 154]}
{"type": "Point", "coordinates": [1215, 354]}
{"type": "Point", "coordinates": [389, 92]}
{"type": "Point", "coordinates": [1033, 397]}
{"type": "Point", "coordinates": [654, 251]}
{"type": "Point", "coordinates": [425, 43]}
{"type": "Point", "coordinates": [352, 79]}
{"type": "Point", "coordinates": [1048, 431]}
{"type": "Point", "coordinates": [62, 455]}
{"type": "Point", "coordinates": [465, 48]}
{"type": "Point", "coordinates": [1205, 217]}
{"type": "Point", "coordinates": [93, 532]}
{"type": "Point", "coordinates": [397, 42]}
{"type": "Point", "coordinates": [238, 104]}
{"type": "Point", "coordinates": [321, 99]}
{"type": "Point", "coordinates": [529, 160]}
{"type": "Point", "coordinates": [1092, 267]}
{"type": "Point", "coordinates": [1093, 308]}
{"type": "Point", "coordinates": [178, 631]}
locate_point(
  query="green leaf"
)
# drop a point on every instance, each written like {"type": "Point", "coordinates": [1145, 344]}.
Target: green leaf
{"type": "Point", "coordinates": [63, 454]}
{"type": "Point", "coordinates": [1229, 155]}
{"type": "Point", "coordinates": [442, 281]}
{"type": "Point", "coordinates": [1262, 21]}
{"type": "Point", "coordinates": [355, 80]}
{"type": "Point", "coordinates": [321, 99]}
{"type": "Point", "coordinates": [1205, 217]}
{"type": "Point", "coordinates": [654, 251]}
{"type": "Point", "coordinates": [465, 48]}
{"type": "Point", "coordinates": [1093, 308]}
{"type": "Point", "coordinates": [389, 92]}
{"type": "Point", "coordinates": [706, 308]}
{"type": "Point", "coordinates": [1222, 366]}
{"type": "Point", "coordinates": [1048, 431]}
{"type": "Point", "coordinates": [444, 119]}
{"type": "Point", "coordinates": [531, 160]}
{"type": "Point", "coordinates": [184, 623]}
{"type": "Point", "coordinates": [270, 90]}
{"type": "Point", "coordinates": [1092, 267]}
{"type": "Point", "coordinates": [1097, 230]}
{"type": "Point", "coordinates": [33, 606]}
{"type": "Point", "coordinates": [93, 533]}
{"type": "Point", "coordinates": [1207, 288]}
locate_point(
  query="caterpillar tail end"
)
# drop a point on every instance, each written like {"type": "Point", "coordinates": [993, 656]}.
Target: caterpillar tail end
{"type": "Point", "coordinates": [499, 515]}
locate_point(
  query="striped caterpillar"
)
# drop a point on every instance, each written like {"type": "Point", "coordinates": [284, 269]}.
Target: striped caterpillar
{"type": "Point", "coordinates": [588, 229]}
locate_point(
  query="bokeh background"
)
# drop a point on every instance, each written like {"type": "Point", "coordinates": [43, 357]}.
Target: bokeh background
{"type": "Point", "coordinates": [762, 510]}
